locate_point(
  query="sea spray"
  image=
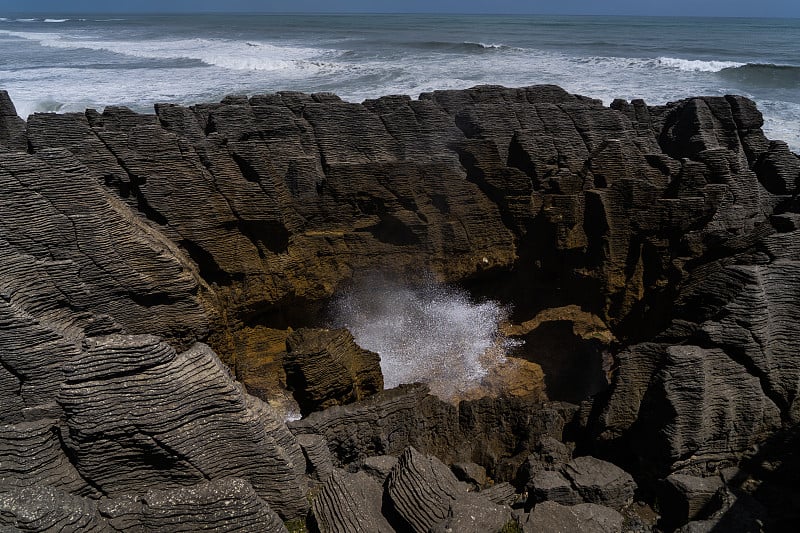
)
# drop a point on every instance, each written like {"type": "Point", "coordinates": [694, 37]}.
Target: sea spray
{"type": "Point", "coordinates": [424, 331]}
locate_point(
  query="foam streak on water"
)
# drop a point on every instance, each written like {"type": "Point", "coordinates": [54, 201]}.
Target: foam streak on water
{"type": "Point", "coordinates": [428, 332]}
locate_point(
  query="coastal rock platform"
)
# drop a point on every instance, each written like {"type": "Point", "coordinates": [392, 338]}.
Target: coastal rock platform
{"type": "Point", "coordinates": [157, 271]}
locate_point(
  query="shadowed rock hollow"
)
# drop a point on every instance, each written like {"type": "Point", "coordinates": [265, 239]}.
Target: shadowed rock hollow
{"type": "Point", "coordinates": [650, 256]}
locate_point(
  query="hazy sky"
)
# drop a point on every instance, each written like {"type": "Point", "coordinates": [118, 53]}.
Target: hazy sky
{"type": "Point", "coordinates": [746, 8]}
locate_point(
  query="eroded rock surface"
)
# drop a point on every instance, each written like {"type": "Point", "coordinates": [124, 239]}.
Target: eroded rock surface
{"type": "Point", "coordinates": [659, 246]}
{"type": "Point", "coordinates": [327, 367]}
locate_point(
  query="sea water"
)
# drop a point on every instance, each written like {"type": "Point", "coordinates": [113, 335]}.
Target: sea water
{"type": "Point", "coordinates": [68, 63]}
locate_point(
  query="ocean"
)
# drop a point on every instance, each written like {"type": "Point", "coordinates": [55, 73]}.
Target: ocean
{"type": "Point", "coordinates": [69, 63]}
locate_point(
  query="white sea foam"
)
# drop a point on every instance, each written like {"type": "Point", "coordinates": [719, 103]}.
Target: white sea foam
{"type": "Point", "coordinates": [490, 46]}
{"type": "Point", "coordinates": [224, 53]}
{"type": "Point", "coordinates": [55, 20]}
{"type": "Point", "coordinates": [696, 65]}
{"type": "Point", "coordinates": [426, 332]}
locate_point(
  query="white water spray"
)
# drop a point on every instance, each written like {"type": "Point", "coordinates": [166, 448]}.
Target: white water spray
{"type": "Point", "coordinates": [426, 332]}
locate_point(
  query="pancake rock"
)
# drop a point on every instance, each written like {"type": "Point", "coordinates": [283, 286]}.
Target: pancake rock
{"type": "Point", "coordinates": [498, 433]}
{"type": "Point", "coordinates": [326, 367]}
{"type": "Point", "coordinates": [655, 247]}
{"type": "Point", "coordinates": [421, 489]}
{"type": "Point", "coordinates": [350, 503]}
{"type": "Point", "coordinates": [140, 414]}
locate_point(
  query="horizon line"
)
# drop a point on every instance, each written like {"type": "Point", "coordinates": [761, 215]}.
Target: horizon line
{"type": "Point", "coordinates": [467, 13]}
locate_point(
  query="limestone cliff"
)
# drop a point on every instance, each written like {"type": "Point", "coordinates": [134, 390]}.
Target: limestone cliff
{"type": "Point", "coordinates": [676, 228]}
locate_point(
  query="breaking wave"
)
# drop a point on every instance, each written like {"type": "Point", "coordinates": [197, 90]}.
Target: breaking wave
{"type": "Point", "coordinates": [424, 332]}
{"type": "Point", "coordinates": [696, 65]}
{"type": "Point", "coordinates": [223, 53]}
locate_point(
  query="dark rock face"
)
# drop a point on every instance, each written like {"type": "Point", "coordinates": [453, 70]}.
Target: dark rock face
{"type": "Point", "coordinates": [600, 482]}
{"type": "Point", "coordinates": [327, 367]}
{"type": "Point", "coordinates": [128, 240]}
{"type": "Point", "coordinates": [12, 128]}
{"type": "Point", "coordinates": [498, 433]}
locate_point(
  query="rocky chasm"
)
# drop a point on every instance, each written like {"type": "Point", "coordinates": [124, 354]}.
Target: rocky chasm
{"type": "Point", "coordinates": [166, 278]}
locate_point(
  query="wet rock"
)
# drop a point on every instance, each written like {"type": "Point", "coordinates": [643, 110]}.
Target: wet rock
{"type": "Point", "coordinates": [327, 367]}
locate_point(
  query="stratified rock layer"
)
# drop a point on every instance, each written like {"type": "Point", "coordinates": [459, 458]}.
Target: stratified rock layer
{"type": "Point", "coordinates": [141, 415]}
{"type": "Point", "coordinates": [421, 488]}
{"type": "Point", "coordinates": [350, 503]}
{"type": "Point", "coordinates": [327, 367]}
{"type": "Point", "coordinates": [126, 239]}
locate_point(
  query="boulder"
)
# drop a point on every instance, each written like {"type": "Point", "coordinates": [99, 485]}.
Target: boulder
{"type": "Point", "coordinates": [600, 482]}
{"type": "Point", "coordinates": [326, 367]}
{"type": "Point", "coordinates": [683, 498]}
{"type": "Point", "coordinates": [585, 479]}
{"type": "Point", "coordinates": [580, 518]}
{"type": "Point", "coordinates": [421, 489]}
{"type": "Point", "coordinates": [12, 128]}
{"type": "Point", "coordinates": [552, 486]}
{"type": "Point", "coordinates": [502, 493]}
{"type": "Point", "coordinates": [472, 513]}
{"type": "Point", "coordinates": [548, 454]}
{"type": "Point", "coordinates": [220, 505]}
{"type": "Point", "coordinates": [44, 508]}
{"type": "Point", "coordinates": [31, 455]}
{"type": "Point", "coordinates": [379, 467]}
{"type": "Point", "coordinates": [319, 461]}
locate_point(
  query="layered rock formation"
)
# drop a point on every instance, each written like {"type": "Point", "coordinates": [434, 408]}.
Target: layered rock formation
{"type": "Point", "coordinates": [657, 246]}
{"type": "Point", "coordinates": [326, 367]}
